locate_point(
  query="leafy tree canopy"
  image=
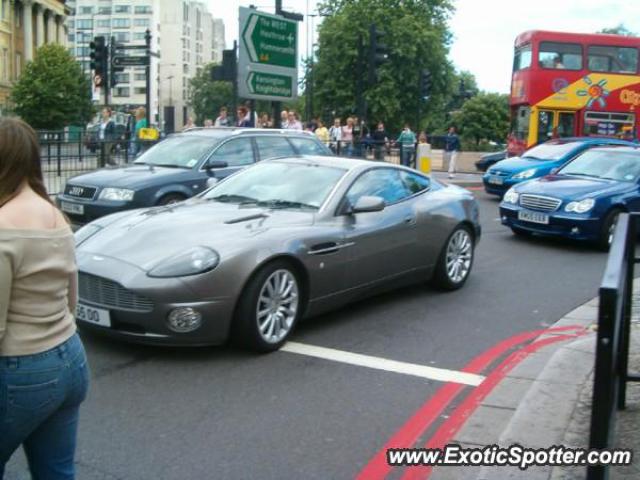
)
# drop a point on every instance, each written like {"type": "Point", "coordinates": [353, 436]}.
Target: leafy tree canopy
{"type": "Point", "coordinates": [620, 29]}
{"type": "Point", "coordinates": [484, 117]}
{"type": "Point", "coordinates": [52, 92]}
{"type": "Point", "coordinates": [207, 96]}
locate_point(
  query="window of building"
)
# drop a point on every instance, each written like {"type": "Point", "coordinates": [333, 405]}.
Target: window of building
{"type": "Point", "coordinates": [18, 64]}
{"type": "Point", "coordinates": [122, 77]}
{"type": "Point", "coordinates": [141, 22]}
{"type": "Point", "coordinates": [138, 35]}
{"type": "Point", "coordinates": [564, 56]}
{"type": "Point", "coordinates": [105, 23]}
{"type": "Point", "coordinates": [84, 24]}
{"type": "Point", "coordinates": [122, 9]}
{"type": "Point", "coordinates": [198, 19]}
{"type": "Point", "coordinates": [185, 12]}
{"type": "Point", "coordinates": [522, 58]}
{"type": "Point", "coordinates": [71, 38]}
{"type": "Point", "coordinates": [4, 65]}
{"type": "Point", "coordinates": [121, 92]}
{"type": "Point", "coordinates": [104, 10]}
{"type": "Point", "coordinates": [122, 36]}
{"type": "Point", "coordinates": [141, 9]}
{"type": "Point", "coordinates": [17, 18]}
{"type": "Point", "coordinates": [613, 59]}
{"type": "Point", "coordinates": [4, 9]}
{"type": "Point", "coordinates": [185, 68]}
{"type": "Point", "coordinates": [140, 90]}
{"type": "Point", "coordinates": [86, 10]}
{"type": "Point", "coordinates": [82, 51]}
{"type": "Point", "coordinates": [121, 23]}
{"type": "Point", "coordinates": [140, 77]}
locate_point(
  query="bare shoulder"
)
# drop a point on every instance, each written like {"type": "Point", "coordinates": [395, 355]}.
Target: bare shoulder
{"type": "Point", "coordinates": [30, 212]}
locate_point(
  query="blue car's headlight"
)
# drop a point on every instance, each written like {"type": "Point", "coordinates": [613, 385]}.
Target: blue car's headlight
{"type": "Point", "coordinates": [580, 207]}
{"type": "Point", "coordinates": [85, 232]}
{"type": "Point", "coordinates": [119, 194]}
{"type": "Point", "coordinates": [193, 261]}
{"type": "Point", "coordinates": [511, 196]}
{"type": "Point", "coordinates": [526, 174]}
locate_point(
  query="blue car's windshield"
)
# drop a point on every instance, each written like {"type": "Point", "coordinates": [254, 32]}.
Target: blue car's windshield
{"type": "Point", "coordinates": [278, 185]}
{"type": "Point", "coordinates": [549, 151]}
{"type": "Point", "coordinates": [621, 166]}
{"type": "Point", "coordinates": [184, 151]}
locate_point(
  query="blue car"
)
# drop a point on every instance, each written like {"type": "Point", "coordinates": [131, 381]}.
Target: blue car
{"type": "Point", "coordinates": [581, 201]}
{"type": "Point", "coordinates": [178, 168]}
{"type": "Point", "coordinates": [538, 161]}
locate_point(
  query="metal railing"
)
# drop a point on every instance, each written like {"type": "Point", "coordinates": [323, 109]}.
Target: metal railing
{"type": "Point", "coordinates": [612, 348]}
{"type": "Point", "coordinates": [370, 150]}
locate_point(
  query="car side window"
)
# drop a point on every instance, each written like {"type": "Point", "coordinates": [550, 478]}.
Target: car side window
{"type": "Point", "coordinates": [414, 183]}
{"type": "Point", "coordinates": [307, 146]}
{"type": "Point", "coordinates": [270, 147]}
{"type": "Point", "coordinates": [379, 182]}
{"type": "Point", "coordinates": [236, 152]}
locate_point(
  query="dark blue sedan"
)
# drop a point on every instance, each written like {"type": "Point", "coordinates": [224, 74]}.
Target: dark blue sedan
{"type": "Point", "coordinates": [538, 161]}
{"type": "Point", "coordinates": [581, 201]}
{"type": "Point", "coordinates": [178, 168]}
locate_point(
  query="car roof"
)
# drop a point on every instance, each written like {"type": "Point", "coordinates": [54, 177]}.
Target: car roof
{"type": "Point", "coordinates": [224, 132]}
{"type": "Point", "coordinates": [613, 141]}
{"type": "Point", "coordinates": [335, 162]}
{"type": "Point", "coordinates": [635, 148]}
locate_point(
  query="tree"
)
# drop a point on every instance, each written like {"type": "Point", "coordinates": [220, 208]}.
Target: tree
{"type": "Point", "coordinates": [484, 117]}
{"type": "Point", "coordinates": [620, 29]}
{"type": "Point", "coordinates": [206, 96]}
{"type": "Point", "coordinates": [418, 38]}
{"type": "Point", "coordinates": [52, 92]}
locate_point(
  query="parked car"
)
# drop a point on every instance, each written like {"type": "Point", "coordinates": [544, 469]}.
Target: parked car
{"type": "Point", "coordinates": [581, 201]}
{"type": "Point", "coordinates": [539, 161]}
{"type": "Point", "coordinates": [489, 159]}
{"type": "Point", "coordinates": [282, 239]}
{"type": "Point", "coordinates": [178, 168]}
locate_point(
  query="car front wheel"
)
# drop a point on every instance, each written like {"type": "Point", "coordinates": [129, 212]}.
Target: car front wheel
{"type": "Point", "coordinates": [455, 260]}
{"type": "Point", "coordinates": [608, 227]}
{"type": "Point", "coordinates": [269, 308]}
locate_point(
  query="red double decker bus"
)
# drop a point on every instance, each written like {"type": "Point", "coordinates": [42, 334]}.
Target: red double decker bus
{"type": "Point", "coordinates": [569, 84]}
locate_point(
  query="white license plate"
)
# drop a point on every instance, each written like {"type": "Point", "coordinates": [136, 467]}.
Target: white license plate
{"type": "Point", "coordinates": [72, 208]}
{"type": "Point", "coordinates": [97, 316]}
{"type": "Point", "coordinates": [496, 180]}
{"type": "Point", "coordinates": [533, 217]}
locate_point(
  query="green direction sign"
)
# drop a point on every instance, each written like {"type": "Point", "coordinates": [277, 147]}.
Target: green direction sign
{"type": "Point", "coordinates": [271, 40]}
{"type": "Point", "coordinates": [269, 84]}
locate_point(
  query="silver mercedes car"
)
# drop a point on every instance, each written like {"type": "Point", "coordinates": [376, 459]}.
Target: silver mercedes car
{"type": "Point", "coordinates": [281, 240]}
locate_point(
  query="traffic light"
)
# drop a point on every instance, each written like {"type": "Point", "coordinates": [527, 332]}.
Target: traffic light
{"type": "Point", "coordinates": [115, 69]}
{"type": "Point", "coordinates": [99, 59]}
{"type": "Point", "coordinates": [227, 71]}
{"type": "Point", "coordinates": [378, 52]}
{"type": "Point", "coordinates": [425, 84]}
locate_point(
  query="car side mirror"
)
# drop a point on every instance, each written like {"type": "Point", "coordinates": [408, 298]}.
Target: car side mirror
{"type": "Point", "coordinates": [211, 181]}
{"type": "Point", "coordinates": [368, 203]}
{"type": "Point", "coordinates": [213, 164]}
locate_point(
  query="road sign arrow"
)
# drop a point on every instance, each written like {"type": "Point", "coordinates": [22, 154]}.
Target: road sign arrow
{"type": "Point", "coordinates": [270, 40]}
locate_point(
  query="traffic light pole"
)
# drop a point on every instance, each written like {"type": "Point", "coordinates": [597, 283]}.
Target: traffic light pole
{"type": "Point", "coordinates": [147, 39]}
{"type": "Point", "coordinates": [277, 106]}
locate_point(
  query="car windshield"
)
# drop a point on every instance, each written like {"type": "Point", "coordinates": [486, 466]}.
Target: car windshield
{"type": "Point", "coordinates": [549, 151]}
{"type": "Point", "coordinates": [621, 166]}
{"type": "Point", "coordinates": [279, 185]}
{"type": "Point", "coordinates": [183, 151]}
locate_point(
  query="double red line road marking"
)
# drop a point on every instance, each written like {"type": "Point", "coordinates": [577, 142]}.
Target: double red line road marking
{"type": "Point", "coordinates": [519, 346]}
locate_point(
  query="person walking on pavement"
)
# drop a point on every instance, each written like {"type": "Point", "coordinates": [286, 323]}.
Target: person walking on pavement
{"type": "Point", "coordinates": [407, 142]}
{"type": "Point", "coordinates": [241, 115]}
{"type": "Point", "coordinates": [380, 140]}
{"type": "Point", "coordinates": [293, 122]}
{"type": "Point", "coordinates": [106, 135]}
{"type": "Point", "coordinates": [451, 149]}
{"type": "Point", "coordinates": [321, 132]}
{"type": "Point", "coordinates": [223, 120]}
{"type": "Point", "coordinates": [284, 119]}
{"type": "Point", "coordinates": [335, 136]}
{"type": "Point", "coordinates": [44, 376]}
{"type": "Point", "coordinates": [347, 137]}
{"type": "Point", "coordinates": [141, 122]}
{"type": "Point", "coordinates": [190, 124]}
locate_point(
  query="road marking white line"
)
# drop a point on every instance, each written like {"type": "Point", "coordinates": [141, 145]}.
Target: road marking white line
{"type": "Point", "coordinates": [379, 363]}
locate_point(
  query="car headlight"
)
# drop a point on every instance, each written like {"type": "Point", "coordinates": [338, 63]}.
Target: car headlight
{"type": "Point", "coordinates": [582, 206]}
{"type": "Point", "coordinates": [526, 174]}
{"type": "Point", "coordinates": [85, 232]}
{"type": "Point", "coordinates": [511, 196]}
{"type": "Point", "coordinates": [120, 194]}
{"type": "Point", "coordinates": [193, 261]}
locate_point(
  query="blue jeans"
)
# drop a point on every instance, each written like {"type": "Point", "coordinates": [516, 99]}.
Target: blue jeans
{"type": "Point", "coordinates": [40, 397]}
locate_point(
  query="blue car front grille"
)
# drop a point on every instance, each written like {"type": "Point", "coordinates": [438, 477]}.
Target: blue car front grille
{"type": "Point", "coordinates": [539, 202]}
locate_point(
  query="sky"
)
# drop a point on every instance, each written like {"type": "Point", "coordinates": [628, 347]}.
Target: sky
{"type": "Point", "coordinates": [483, 30]}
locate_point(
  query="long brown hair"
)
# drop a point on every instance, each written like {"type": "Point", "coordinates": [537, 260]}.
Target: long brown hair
{"type": "Point", "coordinates": [19, 160]}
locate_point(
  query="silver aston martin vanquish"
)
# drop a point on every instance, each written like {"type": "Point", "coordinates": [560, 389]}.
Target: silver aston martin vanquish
{"type": "Point", "coordinates": [286, 238]}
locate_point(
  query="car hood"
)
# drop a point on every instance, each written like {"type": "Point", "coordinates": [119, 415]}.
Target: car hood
{"type": "Point", "coordinates": [519, 164]}
{"type": "Point", "coordinates": [147, 236]}
{"type": "Point", "coordinates": [126, 177]}
{"type": "Point", "coordinates": [573, 188]}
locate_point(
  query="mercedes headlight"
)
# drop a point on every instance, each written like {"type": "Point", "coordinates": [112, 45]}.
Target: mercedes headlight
{"type": "Point", "coordinates": [193, 261]}
{"type": "Point", "coordinates": [526, 174]}
{"type": "Point", "coordinates": [85, 232]}
{"type": "Point", "coordinates": [580, 207]}
{"type": "Point", "coordinates": [511, 196]}
{"type": "Point", "coordinates": [119, 194]}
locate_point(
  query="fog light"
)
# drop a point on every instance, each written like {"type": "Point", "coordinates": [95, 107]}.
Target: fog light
{"type": "Point", "coordinates": [504, 218]}
{"type": "Point", "coordinates": [184, 319]}
{"type": "Point", "coordinates": [575, 231]}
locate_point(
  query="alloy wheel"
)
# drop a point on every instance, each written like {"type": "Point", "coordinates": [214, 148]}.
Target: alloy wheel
{"type": "Point", "coordinates": [459, 255]}
{"type": "Point", "coordinates": [277, 306]}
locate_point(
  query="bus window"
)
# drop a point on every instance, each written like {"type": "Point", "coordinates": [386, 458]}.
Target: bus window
{"type": "Point", "coordinates": [522, 58]}
{"type": "Point", "coordinates": [565, 56]}
{"type": "Point", "coordinates": [545, 125]}
{"type": "Point", "coordinates": [520, 123]}
{"type": "Point", "coordinates": [566, 124]}
{"type": "Point", "coordinates": [606, 124]}
{"type": "Point", "coordinates": [613, 59]}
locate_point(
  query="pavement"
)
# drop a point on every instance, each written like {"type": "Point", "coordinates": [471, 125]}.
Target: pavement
{"type": "Point", "coordinates": [546, 400]}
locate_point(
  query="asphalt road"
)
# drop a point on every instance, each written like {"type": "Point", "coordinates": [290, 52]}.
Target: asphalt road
{"type": "Point", "coordinates": [157, 413]}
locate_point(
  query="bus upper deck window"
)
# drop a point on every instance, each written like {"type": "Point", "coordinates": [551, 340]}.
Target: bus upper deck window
{"type": "Point", "coordinates": [613, 59]}
{"type": "Point", "coordinates": [522, 58]}
{"type": "Point", "coordinates": [565, 56]}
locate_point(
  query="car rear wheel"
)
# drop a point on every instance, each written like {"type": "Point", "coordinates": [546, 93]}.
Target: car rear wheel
{"type": "Point", "coordinates": [269, 308]}
{"type": "Point", "coordinates": [170, 199]}
{"type": "Point", "coordinates": [455, 260]}
{"type": "Point", "coordinates": [608, 227]}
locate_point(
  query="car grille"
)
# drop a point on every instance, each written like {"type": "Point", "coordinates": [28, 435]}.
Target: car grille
{"type": "Point", "coordinates": [106, 293]}
{"type": "Point", "coordinates": [499, 173]}
{"type": "Point", "coordinates": [538, 202]}
{"type": "Point", "coordinates": [79, 192]}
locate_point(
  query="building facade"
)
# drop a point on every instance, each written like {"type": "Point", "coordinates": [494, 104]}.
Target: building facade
{"type": "Point", "coordinates": [182, 34]}
{"type": "Point", "coordinates": [26, 25]}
